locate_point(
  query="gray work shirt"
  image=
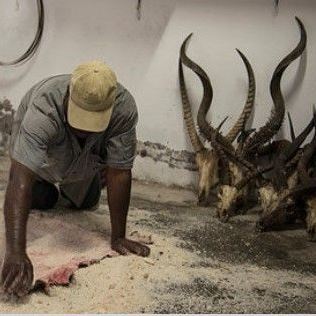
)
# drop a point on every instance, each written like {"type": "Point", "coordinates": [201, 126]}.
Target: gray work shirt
{"type": "Point", "coordinates": [42, 140]}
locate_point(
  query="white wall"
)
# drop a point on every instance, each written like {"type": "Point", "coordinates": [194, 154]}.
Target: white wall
{"type": "Point", "coordinates": [144, 54]}
{"type": "Point", "coordinates": [77, 31]}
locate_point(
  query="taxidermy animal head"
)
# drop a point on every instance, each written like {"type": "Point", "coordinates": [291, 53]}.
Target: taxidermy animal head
{"type": "Point", "coordinates": [207, 160]}
{"type": "Point", "coordinates": [300, 185]}
{"type": "Point", "coordinates": [228, 199]}
{"type": "Point", "coordinates": [267, 196]}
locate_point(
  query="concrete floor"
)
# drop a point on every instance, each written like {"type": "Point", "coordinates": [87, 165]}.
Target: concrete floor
{"type": "Point", "coordinates": [197, 264]}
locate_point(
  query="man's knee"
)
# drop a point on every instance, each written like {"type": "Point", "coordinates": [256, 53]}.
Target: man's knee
{"type": "Point", "coordinates": [44, 195]}
{"type": "Point", "coordinates": [93, 195]}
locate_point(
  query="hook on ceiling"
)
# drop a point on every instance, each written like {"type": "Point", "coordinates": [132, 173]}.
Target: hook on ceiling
{"type": "Point", "coordinates": [276, 5]}
{"type": "Point", "coordinates": [139, 9]}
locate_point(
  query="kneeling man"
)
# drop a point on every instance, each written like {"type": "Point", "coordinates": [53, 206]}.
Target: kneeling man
{"type": "Point", "coordinates": [71, 136]}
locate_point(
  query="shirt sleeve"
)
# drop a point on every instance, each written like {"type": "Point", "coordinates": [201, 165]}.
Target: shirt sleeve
{"type": "Point", "coordinates": [32, 139]}
{"type": "Point", "coordinates": [121, 145]}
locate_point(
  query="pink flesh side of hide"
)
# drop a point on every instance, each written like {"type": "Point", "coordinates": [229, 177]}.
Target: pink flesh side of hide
{"type": "Point", "coordinates": [58, 248]}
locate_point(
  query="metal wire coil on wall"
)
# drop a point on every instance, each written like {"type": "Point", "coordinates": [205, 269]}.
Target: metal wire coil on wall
{"type": "Point", "coordinates": [34, 45]}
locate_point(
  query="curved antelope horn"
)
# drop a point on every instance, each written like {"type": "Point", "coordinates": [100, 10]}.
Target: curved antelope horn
{"type": "Point", "coordinates": [227, 153]}
{"type": "Point", "coordinates": [291, 126]}
{"type": "Point", "coordinates": [186, 107]}
{"type": "Point", "coordinates": [290, 158]}
{"type": "Point", "coordinates": [218, 148]}
{"type": "Point", "coordinates": [277, 114]}
{"type": "Point", "coordinates": [290, 152]}
{"type": "Point", "coordinates": [244, 134]}
{"type": "Point", "coordinates": [308, 187]}
{"type": "Point", "coordinates": [254, 174]}
{"type": "Point", "coordinates": [294, 161]}
{"type": "Point", "coordinates": [206, 129]}
{"type": "Point", "coordinates": [232, 155]}
{"type": "Point", "coordinates": [308, 153]}
{"type": "Point", "coordinates": [218, 128]}
{"type": "Point", "coordinates": [244, 116]}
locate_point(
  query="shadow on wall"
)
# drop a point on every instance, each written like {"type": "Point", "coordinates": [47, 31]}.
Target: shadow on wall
{"type": "Point", "coordinates": [294, 88]}
{"type": "Point", "coordinates": [179, 159]}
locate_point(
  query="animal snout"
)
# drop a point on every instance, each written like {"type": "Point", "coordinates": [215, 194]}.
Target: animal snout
{"type": "Point", "coordinates": [260, 226]}
{"type": "Point", "coordinates": [223, 215]}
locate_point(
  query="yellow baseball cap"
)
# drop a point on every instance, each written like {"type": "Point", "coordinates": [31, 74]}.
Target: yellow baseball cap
{"type": "Point", "coordinates": [91, 96]}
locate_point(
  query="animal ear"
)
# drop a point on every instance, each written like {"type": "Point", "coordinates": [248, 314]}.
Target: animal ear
{"type": "Point", "coordinates": [292, 132]}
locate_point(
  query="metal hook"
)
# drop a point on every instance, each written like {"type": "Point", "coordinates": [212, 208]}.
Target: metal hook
{"type": "Point", "coordinates": [276, 6]}
{"type": "Point", "coordinates": [139, 8]}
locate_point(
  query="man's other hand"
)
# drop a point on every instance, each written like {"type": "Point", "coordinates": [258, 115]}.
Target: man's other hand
{"type": "Point", "coordinates": [17, 275]}
{"type": "Point", "coordinates": [125, 246]}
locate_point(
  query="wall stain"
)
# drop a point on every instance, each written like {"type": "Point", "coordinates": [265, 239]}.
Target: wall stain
{"type": "Point", "coordinates": [179, 159]}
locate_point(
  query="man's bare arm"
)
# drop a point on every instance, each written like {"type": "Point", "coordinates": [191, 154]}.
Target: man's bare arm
{"type": "Point", "coordinates": [119, 191]}
{"type": "Point", "coordinates": [17, 270]}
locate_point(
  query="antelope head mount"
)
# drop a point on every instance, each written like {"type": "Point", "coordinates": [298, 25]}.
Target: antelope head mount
{"type": "Point", "coordinates": [299, 185]}
{"type": "Point", "coordinates": [229, 196]}
{"type": "Point", "coordinates": [208, 160]}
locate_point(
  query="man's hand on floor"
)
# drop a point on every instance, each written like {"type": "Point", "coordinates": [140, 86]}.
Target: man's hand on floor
{"type": "Point", "coordinates": [17, 275]}
{"type": "Point", "coordinates": [125, 246]}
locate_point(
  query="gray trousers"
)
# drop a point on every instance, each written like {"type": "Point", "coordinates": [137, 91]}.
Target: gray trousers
{"type": "Point", "coordinates": [45, 195]}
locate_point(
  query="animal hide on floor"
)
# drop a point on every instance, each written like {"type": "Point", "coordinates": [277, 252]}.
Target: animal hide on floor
{"type": "Point", "coordinates": [59, 245]}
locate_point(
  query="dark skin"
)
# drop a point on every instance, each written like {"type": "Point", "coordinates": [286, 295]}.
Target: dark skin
{"type": "Point", "coordinates": [17, 271]}
{"type": "Point", "coordinates": [118, 183]}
